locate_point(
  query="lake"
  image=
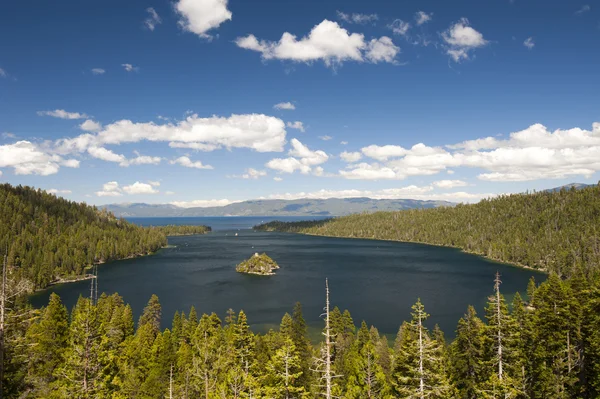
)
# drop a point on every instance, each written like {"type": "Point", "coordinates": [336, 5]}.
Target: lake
{"type": "Point", "coordinates": [377, 281]}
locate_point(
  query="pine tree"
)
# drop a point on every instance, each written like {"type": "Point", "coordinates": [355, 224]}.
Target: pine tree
{"type": "Point", "coordinates": [47, 342]}
{"type": "Point", "coordinates": [468, 355]}
{"type": "Point", "coordinates": [419, 369]}
{"type": "Point", "coordinates": [283, 372]}
{"type": "Point", "coordinates": [78, 378]}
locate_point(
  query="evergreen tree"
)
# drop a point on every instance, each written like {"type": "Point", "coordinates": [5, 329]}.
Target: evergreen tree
{"type": "Point", "coordinates": [469, 370]}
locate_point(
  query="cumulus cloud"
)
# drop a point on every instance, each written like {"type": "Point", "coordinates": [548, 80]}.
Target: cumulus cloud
{"type": "Point", "coordinates": [422, 17]}
{"type": "Point", "coordinates": [296, 125]}
{"type": "Point", "coordinates": [202, 203]}
{"type": "Point", "coordinates": [188, 163]}
{"type": "Point", "coordinates": [28, 158]}
{"type": "Point", "coordinates": [357, 18]}
{"type": "Point", "coordinates": [252, 173]}
{"type": "Point", "coordinates": [350, 156]}
{"type": "Point", "coordinates": [449, 183]}
{"type": "Point", "coordinates": [287, 106]}
{"type": "Point", "coordinates": [530, 154]}
{"type": "Point", "coordinates": [327, 41]}
{"type": "Point", "coordinates": [106, 155]}
{"type": "Point", "coordinates": [153, 19]}
{"type": "Point", "coordinates": [140, 188]}
{"type": "Point", "coordinates": [110, 189]}
{"type": "Point", "coordinates": [461, 39]}
{"type": "Point", "coordinates": [399, 27]}
{"type": "Point", "coordinates": [98, 71]}
{"type": "Point", "coordinates": [130, 68]}
{"type": "Point", "coordinates": [383, 153]}
{"type": "Point", "coordinates": [259, 132]}
{"type": "Point", "coordinates": [301, 159]}
{"type": "Point", "coordinates": [142, 160]}
{"type": "Point", "coordinates": [62, 114]}
{"type": "Point", "coordinates": [382, 50]}
{"type": "Point", "coordinates": [201, 16]}
{"type": "Point", "coordinates": [154, 183]}
{"type": "Point", "coordinates": [56, 191]}
{"type": "Point", "coordinates": [407, 192]}
{"type": "Point", "coordinates": [325, 138]}
{"type": "Point", "coordinates": [529, 43]}
{"type": "Point", "coordinates": [277, 178]}
{"type": "Point", "coordinates": [90, 126]}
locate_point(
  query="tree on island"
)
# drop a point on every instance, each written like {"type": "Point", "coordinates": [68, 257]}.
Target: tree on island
{"type": "Point", "coordinates": [260, 264]}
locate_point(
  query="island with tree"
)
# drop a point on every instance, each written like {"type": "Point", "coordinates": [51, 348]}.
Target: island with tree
{"type": "Point", "coordinates": [260, 264]}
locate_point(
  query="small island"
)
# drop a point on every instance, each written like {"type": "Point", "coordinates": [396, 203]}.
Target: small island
{"type": "Point", "coordinates": [261, 264]}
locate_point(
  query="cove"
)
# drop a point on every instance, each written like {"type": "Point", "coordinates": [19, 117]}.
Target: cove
{"type": "Point", "coordinates": [377, 281]}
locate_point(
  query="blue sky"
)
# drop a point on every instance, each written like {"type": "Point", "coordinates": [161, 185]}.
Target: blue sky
{"type": "Point", "coordinates": [177, 101]}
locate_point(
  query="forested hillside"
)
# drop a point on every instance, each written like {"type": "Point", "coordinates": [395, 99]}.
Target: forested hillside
{"type": "Point", "coordinates": [548, 348]}
{"type": "Point", "coordinates": [553, 231]}
{"type": "Point", "coordinates": [47, 238]}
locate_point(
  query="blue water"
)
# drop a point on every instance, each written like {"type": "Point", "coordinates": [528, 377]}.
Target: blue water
{"type": "Point", "coordinates": [219, 223]}
{"type": "Point", "coordinates": [378, 281]}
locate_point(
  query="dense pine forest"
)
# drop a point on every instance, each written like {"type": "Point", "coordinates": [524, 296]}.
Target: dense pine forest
{"type": "Point", "coordinates": [544, 345]}
{"type": "Point", "coordinates": [552, 231]}
{"type": "Point", "coordinates": [49, 238]}
{"type": "Point", "coordinates": [546, 348]}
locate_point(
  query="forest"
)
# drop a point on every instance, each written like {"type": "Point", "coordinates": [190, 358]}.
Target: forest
{"type": "Point", "coordinates": [550, 231]}
{"type": "Point", "coordinates": [48, 238]}
{"type": "Point", "coordinates": [547, 347]}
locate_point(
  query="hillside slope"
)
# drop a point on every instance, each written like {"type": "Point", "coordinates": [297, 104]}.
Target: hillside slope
{"type": "Point", "coordinates": [553, 231]}
{"type": "Point", "coordinates": [49, 238]}
{"type": "Point", "coordinates": [300, 207]}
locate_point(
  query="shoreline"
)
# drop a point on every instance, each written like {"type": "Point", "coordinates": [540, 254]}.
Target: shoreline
{"type": "Point", "coordinates": [517, 265]}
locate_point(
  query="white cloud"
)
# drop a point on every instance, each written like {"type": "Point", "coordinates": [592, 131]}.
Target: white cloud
{"type": "Point", "coordinates": [307, 157]}
{"type": "Point", "coordinates": [98, 71]}
{"type": "Point", "coordinates": [422, 17]}
{"type": "Point", "coordinates": [287, 106]}
{"type": "Point", "coordinates": [130, 68]}
{"type": "Point", "coordinates": [350, 156]}
{"type": "Point", "coordinates": [90, 126]}
{"type": "Point", "coordinates": [3, 73]}
{"type": "Point", "coordinates": [288, 165]}
{"type": "Point", "coordinates": [296, 125]}
{"type": "Point", "coordinates": [140, 188]}
{"type": "Point", "coordinates": [407, 192]}
{"type": "Point", "coordinates": [529, 43]}
{"type": "Point", "coordinates": [55, 191]}
{"type": "Point", "coordinates": [383, 153]}
{"type": "Point", "coordinates": [327, 42]}
{"type": "Point", "coordinates": [201, 16]}
{"type": "Point", "coordinates": [530, 154]}
{"type": "Point", "coordinates": [28, 158]}
{"type": "Point", "coordinates": [62, 114]}
{"type": "Point", "coordinates": [202, 203]}
{"type": "Point", "coordinates": [461, 39]}
{"type": "Point", "coordinates": [585, 8]}
{"type": "Point", "coordinates": [325, 138]}
{"type": "Point", "coordinates": [169, 193]}
{"type": "Point", "coordinates": [8, 135]}
{"type": "Point", "coordinates": [0, 173]}
{"type": "Point", "coordinates": [252, 173]}
{"type": "Point", "coordinates": [110, 189]}
{"type": "Point", "coordinates": [357, 18]}
{"type": "Point", "coordinates": [153, 19]}
{"type": "Point", "coordinates": [187, 162]}
{"type": "Point", "coordinates": [256, 131]}
{"type": "Point", "coordinates": [154, 183]}
{"type": "Point", "coordinates": [400, 27]}
{"type": "Point", "coordinates": [142, 160]}
{"type": "Point", "coordinates": [277, 178]}
{"type": "Point", "coordinates": [318, 171]}
{"type": "Point", "coordinates": [343, 142]}
{"type": "Point", "coordinates": [382, 50]}
{"type": "Point", "coordinates": [449, 183]}
{"type": "Point", "coordinates": [106, 155]}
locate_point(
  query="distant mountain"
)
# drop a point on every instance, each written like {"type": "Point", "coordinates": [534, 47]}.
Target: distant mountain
{"type": "Point", "coordinates": [301, 207]}
{"type": "Point", "coordinates": [577, 186]}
